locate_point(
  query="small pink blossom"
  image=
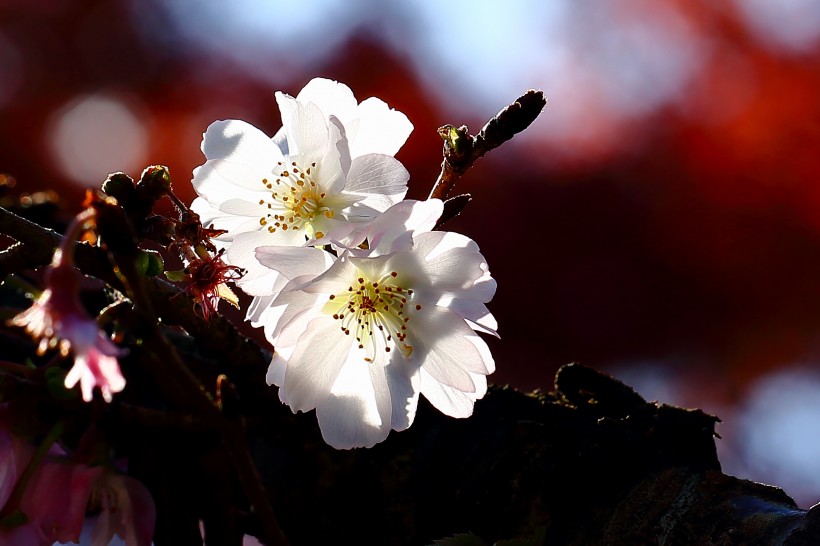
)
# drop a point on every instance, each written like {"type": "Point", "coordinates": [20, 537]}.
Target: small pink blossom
{"type": "Point", "coordinates": [55, 500]}
{"type": "Point", "coordinates": [125, 508]}
{"type": "Point", "coordinates": [58, 319]}
{"type": "Point", "coordinates": [61, 494]}
{"type": "Point", "coordinates": [50, 506]}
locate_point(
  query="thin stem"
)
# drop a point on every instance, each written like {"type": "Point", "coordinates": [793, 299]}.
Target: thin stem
{"type": "Point", "coordinates": [461, 149]}
{"type": "Point", "coordinates": [182, 207]}
{"type": "Point", "coordinates": [171, 373]}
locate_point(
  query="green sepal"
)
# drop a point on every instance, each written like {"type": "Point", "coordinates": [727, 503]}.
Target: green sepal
{"type": "Point", "coordinates": [176, 276]}
{"type": "Point", "coordinates": [156, 179]}
{"type": "Point", "coordinates": [13, 519]}
{"type": "Point", "coordinates": [150, 263]}
{"type": "Point", "coordinates": [457, 140]}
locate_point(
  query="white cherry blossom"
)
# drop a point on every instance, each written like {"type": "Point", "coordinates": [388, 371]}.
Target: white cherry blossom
{"type": "Point", "coordinates": [328, 171]}
{"type": "Point", "coordinates": [358, 338]}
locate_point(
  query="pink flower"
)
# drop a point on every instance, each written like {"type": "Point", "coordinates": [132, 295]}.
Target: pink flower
{"type": "Point", "coordinates": [52, 507]}
{"type": "Point", "coordinates": [22, 535]}
{"type": "Point", "coordinates": [14, 455]}
{"type": "Point", "coordinates": [125, 509]}
{"type": "Point", "coordinates": [58, 319]}
{"type": "Point", "coordinates": [55, 500]}
{"type": "Point", "coordinates": [60, 494]}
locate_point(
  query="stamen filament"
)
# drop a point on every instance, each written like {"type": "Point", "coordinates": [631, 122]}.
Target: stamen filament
{"type": "Point", "coordinates": [375, 312]}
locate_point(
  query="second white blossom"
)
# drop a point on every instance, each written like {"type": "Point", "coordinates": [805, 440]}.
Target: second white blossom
{"type": "Point", "coordinates": [361, 339]}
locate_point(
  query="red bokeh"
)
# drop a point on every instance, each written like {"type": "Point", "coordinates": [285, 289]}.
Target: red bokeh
{"type": "Point", "coordinates": [688, 234]}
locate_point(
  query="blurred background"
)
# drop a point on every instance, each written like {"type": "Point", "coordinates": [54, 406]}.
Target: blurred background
{"type": "Point", "coordinates": [659, 221]}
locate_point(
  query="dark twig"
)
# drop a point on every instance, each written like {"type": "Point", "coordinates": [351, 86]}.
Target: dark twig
{"type": "Point", "coordinates": [12, 260]}
{"type": "Point", "coordinates": [113, 226]}
{"type": "Point", "coordinates": [461, 149]}
{"type": "Point", "coordinates": [452, 208]}
{"type": "Point", "coordinates": [218, 336]}
{"type": "Point", "coordinates": [162, 419]}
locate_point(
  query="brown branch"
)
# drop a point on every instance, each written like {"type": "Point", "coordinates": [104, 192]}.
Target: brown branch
{"type": "Point", "coordinates": [218, 336]}
{"type": "Point", "coordinates": [461, 149]}
{"type": "Point", "coordinates": [12, 260]}
{"type": "Point", "coordinates": [114, 228]}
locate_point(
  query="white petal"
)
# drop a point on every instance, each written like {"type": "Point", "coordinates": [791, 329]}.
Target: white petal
{"type": "Point", "coordinates": [257, 307]}
{"type": "Point", "coordinates": [441, 344]}
{"type": "Point", "coordinates": [294, 262]}
{"type": "Point", "coordinates": [305, 126]}
{"type": "Point", "coordinates": [269, 268]}
{"type": "Point", "coordinates": [358, 411]}
{"type": "Point", "coordinates": [487, 360]}
{"type": "Point", "coordinates": [475, 313]}
{"type": "Point", "coordinates": [372, 127]}
{"type": "Point", "coordinates": [264, 282]}
{"type": "Point", "coordinates": [212, 216]}
{"type": "Point", "coordinates": [380, 129]}
{"type": "Point", "coordinates": [483, 290]}
{"type": "Point", "coordinates": [377, 173]}
{"type": "Point", "coordinates": [447, 400]}
{"type": "Point", "coordinates": [331, 97]}
{"type": "Point", "coordinates": [236, 225]}
{"type": "Point", "coordinates": [392, 231]}
{"type": "Point", "coordinates": [341, 234]}
{"type": "Point", "coordinates": [318, 357]}
{"type": "Point", "coordinates": [259, 280]}
{"type": "Point", "coordinates": [240, 142]}
{"type": "Point", "coordinates": [276, 370]}
{"type": "Point", "coordinates": [336, 279]}
{"type": "Point", "coordinates": [218, 180]}
{"type": "Point", "coordinates": [281, 141]}
{"type": "Point", "coordinates": [403, 380]}
{"type": "Point", "coordinates": [289, 317]}
{"type": "Point", "coordinates": [381, 179]}
{"type": "Point", "coordinates": [334, 164]}
{"type": "Point", "coordinates": [241, 207]}
{"type": "Point", "coordinates": [206, 211]}
{"type": "Point", "coordinates": [438, 244]}
{"type": "Point", "coordinates": [453, 264]}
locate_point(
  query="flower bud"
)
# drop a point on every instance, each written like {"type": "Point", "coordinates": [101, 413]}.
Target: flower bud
{"type": "Point", "coordinates": [150, 263]}
{"type": "Point", "coordinates": [155, 181]}
{"type": "Point", "coordinates": [120, 186]}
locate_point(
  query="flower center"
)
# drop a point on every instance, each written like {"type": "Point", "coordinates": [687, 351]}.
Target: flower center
{"type": "Point", "coordinates": [376, 312]}
{"type": "Point", "coordinates": [295, 199]}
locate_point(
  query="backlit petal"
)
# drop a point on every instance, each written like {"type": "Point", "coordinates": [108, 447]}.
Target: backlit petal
{"type": "Point", "coordinates": [358, 411]}
{"type": "Point", "coordinates": [380, 129]}
{"type": "Point", "coordinates": [315, 363]}
{"type": "Point", "coordinates": [240, 142]}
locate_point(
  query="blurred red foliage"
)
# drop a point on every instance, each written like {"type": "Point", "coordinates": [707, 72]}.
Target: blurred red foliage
{"type": "Point", "coordinates": [698, 240]}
